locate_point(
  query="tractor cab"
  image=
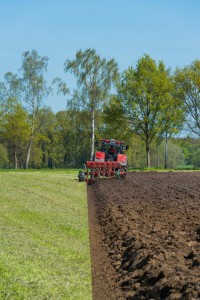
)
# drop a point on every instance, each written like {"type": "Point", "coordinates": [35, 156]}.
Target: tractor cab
{"type": "Point", "coordinates": [111, 150]}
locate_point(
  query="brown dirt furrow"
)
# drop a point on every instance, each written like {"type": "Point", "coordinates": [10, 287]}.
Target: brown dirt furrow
{"type": "Point", "coordinates": [145, 236]}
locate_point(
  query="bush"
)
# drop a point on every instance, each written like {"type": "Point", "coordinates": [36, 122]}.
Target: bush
{"type": "Point", "coordinates": [3, 156]}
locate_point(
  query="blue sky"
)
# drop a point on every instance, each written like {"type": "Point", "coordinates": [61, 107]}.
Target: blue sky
{"type": "Point", "coordinates": [167, 30]}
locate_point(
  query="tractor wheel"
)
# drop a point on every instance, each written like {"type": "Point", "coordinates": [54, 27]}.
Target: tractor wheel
{"type": "Point", "coordinates": [120, 173]}
{"type": "Point", "coordinates": [81, 176]}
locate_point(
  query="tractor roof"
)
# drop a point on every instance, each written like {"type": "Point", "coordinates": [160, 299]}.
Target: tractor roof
{"type": "Point", "coordinates": [111, 142]}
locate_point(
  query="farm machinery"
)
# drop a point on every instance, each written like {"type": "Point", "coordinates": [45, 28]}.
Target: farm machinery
{"type": "Point", "coordinates": [109, 161]}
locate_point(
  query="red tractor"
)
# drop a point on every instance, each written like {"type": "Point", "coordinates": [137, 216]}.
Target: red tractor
{"type": "Point", "coordinates": [109, 161]}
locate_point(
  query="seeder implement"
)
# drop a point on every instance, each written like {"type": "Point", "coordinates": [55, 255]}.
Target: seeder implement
{"type": "Point", "coordinates": [108, 169]}
{"type": "Point", "coordinates": [109, 162]}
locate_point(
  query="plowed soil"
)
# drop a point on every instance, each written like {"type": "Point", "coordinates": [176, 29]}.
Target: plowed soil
{"type": "Point", "coordinates": [145, 236]}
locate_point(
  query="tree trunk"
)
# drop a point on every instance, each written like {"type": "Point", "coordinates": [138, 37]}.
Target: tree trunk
{"type": "Point", "coordinates": [15, 158]}
{"type": "Point", "coordinates": [28, 152]}
{"type": "Point", "coordinates": [92, 145]}
{"type": "Point", "coordinates": [166, 151]}
{"type": "Point", "coordinates": [148, 156]}
{"type": "Point", "coordinates": [158, 157]}
{"type": "Point", "coordinates": [30, 143]}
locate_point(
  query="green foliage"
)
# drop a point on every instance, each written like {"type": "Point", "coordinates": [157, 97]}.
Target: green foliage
{"type": "Point", "coordinates": [43, 149]}
{"type": "Point", "coordinates": [34, 86]}
{"type": "Point", "coordinates": [188, 87]}
{"type": "Point", "coordinates": [145, 93]}
{"type": "Point", "coordinates": [136, 152]}
{"type": "Point", "coordinates": [114, 119]}
{"type": "Point", "coordinates": [63, 140]}
{"type": "Point", "coordinates": [175, 155]}
{"type": "Point", "coordinates": [14, 127]}
{"type": "Point", "coordinates": [3, 156]}
{"type": "Point", "coordinates": [95, 76]}
{"type": "Point", "coordinates": [191, 150]}
{"type": "Point", "coordinates": [10, 88]}
{"type": "Point", "coordinates": [195, 157]}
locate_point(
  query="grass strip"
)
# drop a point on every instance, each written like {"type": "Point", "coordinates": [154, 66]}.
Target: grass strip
{"type": "Point", "coordinates": [44, 245]}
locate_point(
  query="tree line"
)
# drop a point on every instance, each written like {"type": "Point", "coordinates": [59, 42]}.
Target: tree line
{"type": "Point", "coordinates": [154, 110]}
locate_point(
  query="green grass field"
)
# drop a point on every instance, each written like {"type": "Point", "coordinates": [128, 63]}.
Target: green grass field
{"type": "Point", "coordinates": [44, 244]}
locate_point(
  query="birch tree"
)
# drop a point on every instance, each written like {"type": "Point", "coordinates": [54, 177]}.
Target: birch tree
{"type": "Point", "coordinates": [95, 78]}
{"type": "Point", "coordinates": [34, 89]}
